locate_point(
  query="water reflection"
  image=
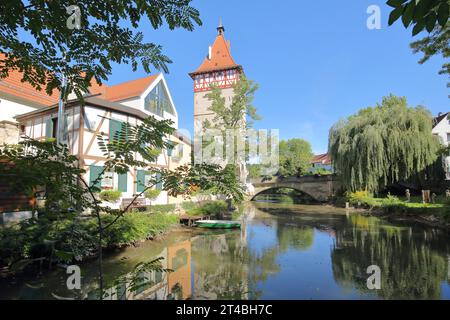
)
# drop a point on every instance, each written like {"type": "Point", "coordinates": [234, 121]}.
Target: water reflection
{"type": "Point", "coordinates": [282, 252]}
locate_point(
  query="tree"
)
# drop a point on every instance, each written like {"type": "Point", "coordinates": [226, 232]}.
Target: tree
{"type": "Point", "coordinates": [237, 116]}
{"type": "Point", "coordinates": [295, 157]}
{"type": "Point", "coordinates": [240, 113]}
{"type": "Point", "coordinates": [38, 40]}
{"type": "Point", "coordinates": [423, 14]}
{"type": "Point", "coordinates": [382, 145]}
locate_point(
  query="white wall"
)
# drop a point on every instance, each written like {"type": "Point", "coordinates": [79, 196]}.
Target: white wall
{"type": "Point", "coordinates": [9, 109]}
{"type": "Point", "coordinates": [441, 130]}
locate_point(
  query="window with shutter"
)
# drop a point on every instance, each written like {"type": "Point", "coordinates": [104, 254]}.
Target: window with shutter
{"type": "Point", "coordinates": [94, 173]}
{"type": "Point", "coordinates": [122, 183]}
{"type": "Point", "coordinates": [140, 181]}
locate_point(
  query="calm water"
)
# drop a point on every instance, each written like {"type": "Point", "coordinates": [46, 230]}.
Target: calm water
{"type": "Point", "coordinates": [282, 252]}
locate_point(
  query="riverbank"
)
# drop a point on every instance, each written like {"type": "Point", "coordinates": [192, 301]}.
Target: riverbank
{"type": "Point", "coordinates": [394, 208]}
{"type": "Point", "coordinates": [66, 238]}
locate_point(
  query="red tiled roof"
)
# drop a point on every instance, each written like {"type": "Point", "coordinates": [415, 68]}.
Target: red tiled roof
{"type": "Point", "coordinates": [323, 158]}
{"type": "Point", "coordinates": [127, 89]}
{"type": "Point", "coordinates": [220, 59]}
{"type": "Point", "coordinates": [13, 85]}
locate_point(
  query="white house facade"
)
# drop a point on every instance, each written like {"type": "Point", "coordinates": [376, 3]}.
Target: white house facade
{"type": "Point", "coordinates": [441, 128]}
{"type": "Point", "coordinates": [103, 113]}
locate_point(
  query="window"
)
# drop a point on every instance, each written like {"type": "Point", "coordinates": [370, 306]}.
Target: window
{"type": "Point", "coordinates": [158, 102]}
{"type": "Point", "coordinates": [107, 180]}
{"type": "Point", "coordinates": [145, 178]}
{"type": "Point", "coordinates": [115, 128]}
{"type": "Point", "coordinates": [448, 137]}
{"type": "Point", "coordinates": [54, 127]}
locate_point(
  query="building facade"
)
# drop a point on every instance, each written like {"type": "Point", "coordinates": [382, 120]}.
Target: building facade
{"type": "Point", "coordinates": [321, 162]}
{"type": "Point", "coordinates": [103, 113]}
{"type": "Point", "coordinates": [218, 68]}
{"type": "Point", "coordinates": [441, 129]}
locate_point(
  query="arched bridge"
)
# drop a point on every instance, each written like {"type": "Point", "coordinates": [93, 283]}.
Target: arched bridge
{"type": "Point", "coordinates": [321, 188]}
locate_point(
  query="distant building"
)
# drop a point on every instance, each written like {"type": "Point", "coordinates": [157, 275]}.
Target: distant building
{"type": "Point", "coordinates": [441, 128]}
{"type": "Point", "coordinates": [321, 161]}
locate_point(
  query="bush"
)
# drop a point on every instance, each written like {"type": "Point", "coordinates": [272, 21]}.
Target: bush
{"type": "Point", "coordinates": [136, 226]}
{"type": "Point", "coordinates": [110, 195]}
{"type": "Point", "coordinates": [161, 208]}
{"type": "Point", "coordinates": [214, 209]}
{"type": "Point", "coordinates": [188, 205]}
{"type": "Point", "coordinates": [152, 194]}
{"type": "Point", "coordinates": [362, 198]}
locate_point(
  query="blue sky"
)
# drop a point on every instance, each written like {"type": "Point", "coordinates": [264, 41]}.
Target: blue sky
{"type": "Point", "coordinates": [315, 62]}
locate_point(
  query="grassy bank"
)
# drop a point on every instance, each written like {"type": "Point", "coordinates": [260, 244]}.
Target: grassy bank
{"type": "Point", "coordinates": [68, 237]}
{"type": "Point", "coordinates": [392, 205]}
{"type": "Point", "coordinates": [214, 209]}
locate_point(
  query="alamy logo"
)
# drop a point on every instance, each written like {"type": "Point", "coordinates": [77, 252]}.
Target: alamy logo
{"type": "Point", "coordinates": [74, 280]}
{"type": "Point", "coordinates": [374, 20]}
{"type": "Point", "coordinates": [74, 19]}
{"type": "Point", "coordinates": [374, 280]}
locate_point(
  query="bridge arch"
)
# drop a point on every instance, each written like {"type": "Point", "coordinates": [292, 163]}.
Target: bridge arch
{"type": "Point", "coordinates": [263, 190]}
{"type": "Point", "coordinates": [320, 188]}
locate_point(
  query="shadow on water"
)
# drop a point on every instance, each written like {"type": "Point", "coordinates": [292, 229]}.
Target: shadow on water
{"type": "Point", "coordinates": [283, 251]}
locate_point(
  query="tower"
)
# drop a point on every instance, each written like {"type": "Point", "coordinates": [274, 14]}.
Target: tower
{"type": "Point", "coordinates": [218, 68]}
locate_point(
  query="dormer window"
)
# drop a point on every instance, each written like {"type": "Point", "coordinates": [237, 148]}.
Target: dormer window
{"type": "Point", "coordinates": [158, 102]}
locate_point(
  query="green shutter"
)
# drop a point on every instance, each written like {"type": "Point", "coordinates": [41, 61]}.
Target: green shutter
{"type": "Point", "coordinates": [159, 184]}
{"type": "Point", "coordinates": [123, 182]}
{"type": "Point", "coordinates": [140, 180]}
{"type": "Point", "coordinates": [114, 127]}
{"type": "Point", "coordinates": [94, 174]}
{"type": "Point", "coordinates": [49, 128]}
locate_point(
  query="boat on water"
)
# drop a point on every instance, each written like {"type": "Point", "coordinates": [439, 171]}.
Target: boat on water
{"type": "Point", "coordinates": [218, 224]}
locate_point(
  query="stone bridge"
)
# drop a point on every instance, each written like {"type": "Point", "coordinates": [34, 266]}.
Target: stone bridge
{"type": "Point", "coordinates": [321, 188]}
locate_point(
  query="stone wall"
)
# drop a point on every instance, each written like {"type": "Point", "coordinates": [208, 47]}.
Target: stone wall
{"type": "Point", "coordinates": [9, 132]}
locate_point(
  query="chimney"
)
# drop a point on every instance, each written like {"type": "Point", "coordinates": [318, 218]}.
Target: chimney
{"type": "Point", "coordinates": [209, 53]}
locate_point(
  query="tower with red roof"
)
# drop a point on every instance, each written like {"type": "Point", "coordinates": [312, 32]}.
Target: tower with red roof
{"type": "Point", "coordinates": [218, 68]}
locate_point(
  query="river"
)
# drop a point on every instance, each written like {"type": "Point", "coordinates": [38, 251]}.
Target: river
{"type": "Point", "coordinates": [283, 251]}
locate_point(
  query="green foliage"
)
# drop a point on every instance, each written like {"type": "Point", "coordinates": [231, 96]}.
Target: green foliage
{"type": "Point", "coordinates": [214, 209]}
{"type": "Point", "coordinates": [240, 113]}
{"type": "Point", "coordinates": [322, 172]}
{"type": "Point", "coordinates": [110, 195]}
{"type": "Point", "coordinates": [188, 205]}
{"type": "Point", "coordinates": [62, 236]}
{"type": "Point", "coordinates": [38, 42]}
{"type": "Point", "coordinates": [46, 167]}
{"type": "Point", "coordinates": [295, 157]}
{"type": "Point", "coordinates": [422, 14]}
{"type": "Point", "coordinates": [254, 170]}
{"type": "Point", "coordinates": [152, 194]}
{"type": "Point", "coordinates": [136, 226]}
{"type": "Point", "coordinates": [236, 115]}
{"type": "Point", "coordinates": [162, 208]}
{"type": "Point", "coordinates": [382, 145]}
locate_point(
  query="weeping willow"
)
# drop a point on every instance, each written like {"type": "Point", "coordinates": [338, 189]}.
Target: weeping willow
{"type": "Point", "coordinates": [382, 145]}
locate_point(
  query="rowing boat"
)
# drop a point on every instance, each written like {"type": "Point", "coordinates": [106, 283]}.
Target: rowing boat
{"type": "Point", "coordinates": [218, 224]}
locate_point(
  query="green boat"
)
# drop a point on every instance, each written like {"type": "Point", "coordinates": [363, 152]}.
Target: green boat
{"type": "Point", "coordinates": [218, 224]}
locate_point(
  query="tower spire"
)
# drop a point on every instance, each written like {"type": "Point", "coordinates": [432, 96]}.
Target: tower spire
{"type": "Point", "coordinates": [220, 28]}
